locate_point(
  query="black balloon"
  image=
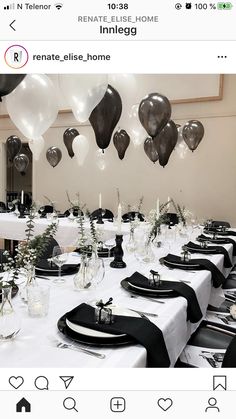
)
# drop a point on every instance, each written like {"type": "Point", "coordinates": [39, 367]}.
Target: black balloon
{"type": "Point", "coordinates": [54, 156]}
{"type": "Point", "coordinates": [21, 162]}
{"type": "Point", "coordinates": [165, 142]}
{"type": "Point", "coordinates": [154, 113]}
{"type": "Point", "coordinates": [150, 149]}
{"type": "Point", "coordinates": [8, 82]}
{"type": "Point", "coordinates": [68, 138]}
{"type": "Point", "coordinates": [13, 146]}
{"type": "Point", "coordinates": [105, 117]}
{"type": "Point", "coordinates": [121, 142]}
{"type": "Point", "coordinates": [192, 133]}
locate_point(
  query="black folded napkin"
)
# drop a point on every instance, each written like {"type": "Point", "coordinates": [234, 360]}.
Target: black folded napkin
{"type": "Point", "coordinates": [218, 278]}
{"type": "Point", "coordinates": [142, 330]}
{"type": "Point", "coordinates": [194, 313]}
{"type": "Point", "coordinates": [196, 248]}
{"type": "Point", "coordinates": [229, 360]}
{"type": "Point", "coordinates": [220, 232]}
{"type": "Point", "coordinates": [219, 240]}
{"type": "Point", "coordinates": [48, 268]}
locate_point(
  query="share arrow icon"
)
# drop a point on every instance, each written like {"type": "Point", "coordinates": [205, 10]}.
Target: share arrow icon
{"type": "Point", "coordinates": [67, 380]}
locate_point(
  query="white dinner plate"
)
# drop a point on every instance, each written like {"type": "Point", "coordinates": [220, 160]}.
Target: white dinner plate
{"type": "Point", "coordinates": [148, 289]}
{"type": "Point", "coordinates": [119, 311]}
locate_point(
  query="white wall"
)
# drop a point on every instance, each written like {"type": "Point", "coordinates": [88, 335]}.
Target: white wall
{"type": "Point", "coordinates": [205, 181]}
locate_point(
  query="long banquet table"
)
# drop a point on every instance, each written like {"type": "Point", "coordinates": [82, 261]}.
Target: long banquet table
{"type": "Point", "coordinates": [33, 346]}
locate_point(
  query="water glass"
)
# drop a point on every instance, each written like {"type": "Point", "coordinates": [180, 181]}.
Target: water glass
{"type": "Point", "coordinates": [38, 300]}
{"type": "Point", "coordinates": [59, 258]}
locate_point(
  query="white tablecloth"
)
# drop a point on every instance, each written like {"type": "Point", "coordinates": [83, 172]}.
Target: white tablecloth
{"type": "Point", "coordinates": [33, 346]}
{"type": "Point", "coordinates": [13, 228]}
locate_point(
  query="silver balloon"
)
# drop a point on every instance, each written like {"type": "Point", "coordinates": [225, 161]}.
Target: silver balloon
{"type": "Point", "coordinates": [54, 156]}
{"type": "Point", "coordinates": [193, 132]}
{"type": "Point", "coordinates": [154, 113]}
{"type": "Point", "coordinates": [150, 149]}
{"type": "Point", "coordinates": [21, 162]}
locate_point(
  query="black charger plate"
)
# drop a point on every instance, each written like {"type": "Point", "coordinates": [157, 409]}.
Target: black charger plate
{"type": "Point", "coordinates": [93, 341]}
{"type": "Point", "coordinates": [160, 294]}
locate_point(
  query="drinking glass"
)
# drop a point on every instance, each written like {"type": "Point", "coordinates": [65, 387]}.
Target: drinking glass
{"type": "Point", "coordinates": [38, 300]}
{"type": "Point", "coordinates": [59, 258]}
{"type": "Point", "coordinates": [10, 205]}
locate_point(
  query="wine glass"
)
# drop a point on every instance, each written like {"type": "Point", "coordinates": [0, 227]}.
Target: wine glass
{"type": "Point", "coordinates": [59, 258]}
{"type": "Point", "coordinates": [10, 205]}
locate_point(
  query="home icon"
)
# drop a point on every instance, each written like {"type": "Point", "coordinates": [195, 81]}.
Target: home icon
{"type": "Point", "coordinates": [23, 406]}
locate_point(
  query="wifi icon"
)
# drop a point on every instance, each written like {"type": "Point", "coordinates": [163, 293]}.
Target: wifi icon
{"type": "Point", "coordinates": [58, 6]}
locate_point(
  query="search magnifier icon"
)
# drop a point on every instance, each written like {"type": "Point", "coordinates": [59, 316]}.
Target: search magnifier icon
{"type": "Point", "coordinates": [70, 404]}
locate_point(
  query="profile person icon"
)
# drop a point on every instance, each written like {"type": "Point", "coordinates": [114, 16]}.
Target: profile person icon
{"type": "Point", "coordinates": [212, 405]}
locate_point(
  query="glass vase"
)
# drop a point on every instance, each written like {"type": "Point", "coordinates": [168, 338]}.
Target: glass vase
{"type": "Point", "coordinates": [131, 245]}
{"type": "Point", "coordinates": [82, 278]}
{"type": "Point", "coordinates": [30, 282]}
{"type": "Point", "coordinates": [9, 321]}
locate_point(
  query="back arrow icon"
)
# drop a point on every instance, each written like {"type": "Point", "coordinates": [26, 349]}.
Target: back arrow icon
{"type": "Point", "coordinates": [12, 24]}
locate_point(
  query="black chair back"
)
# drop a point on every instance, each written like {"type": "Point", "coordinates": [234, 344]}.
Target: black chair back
{"type": "Point", "coordinates": [47, 209]}
{"type": "Point", "coordinates": [49, 249]}
{"type": "Point", "coordinates": [75, 212]}
{"type": "Point", "coordinates": [3, 259]}
{"type": "Point", "coordinates": [3, 207]}
{"type": "Point", "coordinates": [220, 224]}
{"type": "Point", "coordinates": [130, 216]}
{"type": "Point", "coordinates": [106, 214]}
{"type": "Point", "coordinates": [172, 218]}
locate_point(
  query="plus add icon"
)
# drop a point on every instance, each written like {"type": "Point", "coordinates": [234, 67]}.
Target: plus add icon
{"type": "Point", "coordinates": [117, 404]}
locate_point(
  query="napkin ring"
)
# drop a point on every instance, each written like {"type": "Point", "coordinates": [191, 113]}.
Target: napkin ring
{"type": "Point", "coordinates": [103, 313]}
{"type": "Point", "coordinates": [154, 279]}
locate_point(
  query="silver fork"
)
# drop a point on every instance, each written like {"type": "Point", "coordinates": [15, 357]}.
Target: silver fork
{"type": "Point", "coordinates": [147, 298]}
{"type": "Point", "coordinates": [63, 345]}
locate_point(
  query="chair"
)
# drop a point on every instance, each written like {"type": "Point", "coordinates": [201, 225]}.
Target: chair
{"type": "Point", "coordinates": [75, 212]}
{"type": "Point", "coordinates": [47, 253]}
{"type": "Point", "coordinates": [47, 209]}
{"type": "Point", "coordinates": [3, 207]}
{"type": "Point", "coordinates": [209, 337]}
{"type": "Point", "coordinates": [220, 224]}
{"type": "Point", "coordinates": [172, 218]}
{"type": "Point", "coordinates": [106, 214]}
{"type": "Point", "coordinates": [3, 259]}
{"type": "Point", "coordinates": [130, 216]}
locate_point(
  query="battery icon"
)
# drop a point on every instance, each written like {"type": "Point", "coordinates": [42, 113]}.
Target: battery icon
{"type": "Point", "coordinates": [224, 6]}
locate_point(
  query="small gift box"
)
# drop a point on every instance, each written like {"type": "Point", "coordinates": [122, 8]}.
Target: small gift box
{"type": "Point", "coordinates": [103, 313]}
{"type": "Point", "coordinates": [154, 279]}
{"type": "Point", "coordinates": [204, 244]}
{"type": "Point", "coordinates": [185, 255]}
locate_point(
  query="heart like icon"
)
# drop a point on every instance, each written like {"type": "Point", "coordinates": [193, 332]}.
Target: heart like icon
{"type": "Point", "coordinates": [165, 404]}
{"type": "Point", "coordinates": [16, 382]}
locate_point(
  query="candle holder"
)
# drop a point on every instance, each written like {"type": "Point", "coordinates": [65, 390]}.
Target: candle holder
{"type": "Point", "coordinates": [100, 220]}
{"type": "Point", "coordinates": [118, 254]}
{"type": "Point", "coordinates": [22, 211]}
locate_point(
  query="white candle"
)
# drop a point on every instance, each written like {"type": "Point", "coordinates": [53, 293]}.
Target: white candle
{"type": "Point", "coordinates": [168, 205]}
{"type": "Point", "coordinates": [22, 197]}
{"type": "Point", "coordinates": [119, 219]}
{"type": "Point", "coordinates": [100, 201]}
{"type": "Point", "coordinates": [158, 208]}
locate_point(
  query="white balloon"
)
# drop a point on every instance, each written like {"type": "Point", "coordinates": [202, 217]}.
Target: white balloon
{"type": "Point", "coordinates": [83, 92]}
{"type": "Point", "coordinates": [36, 146]}
{"type": "Point", "coordinates": [181, 147]}
{"type": "Point", "coordinates": [100, 160]}
{"type": "Point", "coordinates": [135, 128]}
{"type": "Point", "coordinates": [32, 106]}
{"type": "Point", "coordinates": [80, 147]}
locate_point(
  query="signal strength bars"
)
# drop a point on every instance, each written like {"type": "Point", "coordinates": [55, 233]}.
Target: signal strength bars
{"type": "Point", "coordinates": [9, 7]}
